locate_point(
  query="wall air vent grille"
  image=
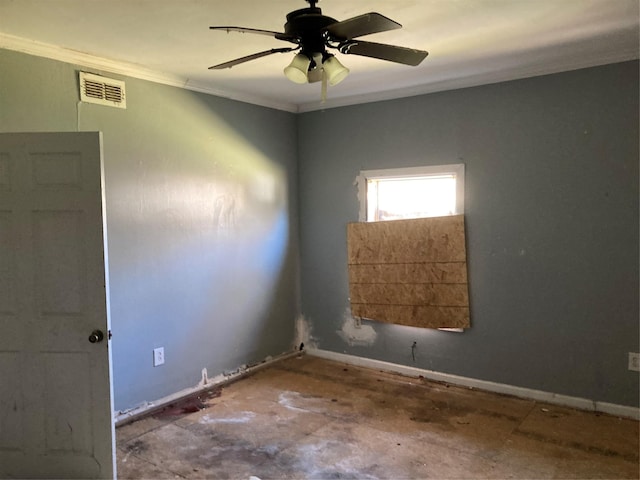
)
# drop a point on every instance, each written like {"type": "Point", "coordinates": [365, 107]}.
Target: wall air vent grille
{"type": "Point", "coordinates": [102, 90]}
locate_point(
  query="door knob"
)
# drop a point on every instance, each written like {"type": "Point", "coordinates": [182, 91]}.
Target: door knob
{"type": "Point", "coordinates": [96, 336]}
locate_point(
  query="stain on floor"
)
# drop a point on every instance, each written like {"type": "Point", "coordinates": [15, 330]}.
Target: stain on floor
{"type": "Point", "coordinates": [310, 418]}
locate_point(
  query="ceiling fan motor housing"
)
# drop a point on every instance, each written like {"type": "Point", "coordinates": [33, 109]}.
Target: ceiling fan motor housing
{"type": "Point", "coordinates": [309, 26]}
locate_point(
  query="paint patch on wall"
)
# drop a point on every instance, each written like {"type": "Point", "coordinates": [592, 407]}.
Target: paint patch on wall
{"type": "Point", "coordinates": [361, 183]}
{"type": "Point", "coordinates": [205, 378]}
{"type": "Point", "coordinates": [355, 333]}
{"type": "Point", "coordinates": [303, 334]}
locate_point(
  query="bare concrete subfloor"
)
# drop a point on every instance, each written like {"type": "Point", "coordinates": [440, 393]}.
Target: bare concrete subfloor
{"type": "Point", "coordinates": [311, 418]}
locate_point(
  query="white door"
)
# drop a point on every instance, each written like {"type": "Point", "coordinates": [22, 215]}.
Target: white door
{"type": "Point", "coordinates": [56, 416]}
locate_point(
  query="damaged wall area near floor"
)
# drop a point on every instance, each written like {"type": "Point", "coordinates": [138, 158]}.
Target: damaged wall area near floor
{"type": "Point", "coordinates": [551, 217]}
{"type": "Point", "coordinates": [201, 221]}
{"type": "Point", "coordinates": [409, 272]}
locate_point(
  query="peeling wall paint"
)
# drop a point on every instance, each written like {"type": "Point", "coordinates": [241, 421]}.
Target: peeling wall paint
{"type": "Point", "coordinates": [355, 333]}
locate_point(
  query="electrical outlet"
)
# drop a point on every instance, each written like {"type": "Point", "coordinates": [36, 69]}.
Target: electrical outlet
{"type": "Point", "coordinates": [158, 356]}
{"type": "Point", "coordinates": [634, 361]}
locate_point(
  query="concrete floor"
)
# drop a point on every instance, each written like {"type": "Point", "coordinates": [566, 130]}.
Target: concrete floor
{"type": "Point", "coordinates": [312, 418]}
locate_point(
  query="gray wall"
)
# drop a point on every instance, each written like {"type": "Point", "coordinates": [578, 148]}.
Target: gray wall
{"type": "Point", "coordinates": [201, 218]}
{"type": "Point", "coordinates": [202, 198]}
{"type": "Point", "coordinates": [552, 226]}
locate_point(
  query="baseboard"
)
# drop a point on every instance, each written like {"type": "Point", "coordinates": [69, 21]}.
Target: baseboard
{"type": "Point", "coordinates": [538, 395]}
{"type": "Point", "coordinates": [127, 416]}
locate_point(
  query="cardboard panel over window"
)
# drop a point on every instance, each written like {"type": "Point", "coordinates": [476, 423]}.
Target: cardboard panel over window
{"type": "Point", "coordinates": [410, 272]}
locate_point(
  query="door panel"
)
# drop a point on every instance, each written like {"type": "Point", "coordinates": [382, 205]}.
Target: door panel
{"type": "Point", "coordinates": [10, 416]}
{"type": "Point", "coordinates": [60, 276]}
{"type": "Point", "coordinates": [67, 422]}
{"type": "Point", "coordinates": [55, 400]}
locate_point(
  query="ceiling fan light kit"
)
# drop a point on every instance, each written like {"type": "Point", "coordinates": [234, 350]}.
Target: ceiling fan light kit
{"type": "Point", "coordinates": [305, 69]}
{"type": "Point", "coordinates": [312, 33]}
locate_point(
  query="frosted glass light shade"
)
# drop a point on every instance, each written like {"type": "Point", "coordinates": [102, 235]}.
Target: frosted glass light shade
{"type": "Point", "coordinates": [336, 72]}
{"type": "Point", "coordinates": [298, 68]}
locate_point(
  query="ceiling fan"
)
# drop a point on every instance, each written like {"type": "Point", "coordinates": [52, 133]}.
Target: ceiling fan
{"type": "Point", "coordinates": [313, 33]}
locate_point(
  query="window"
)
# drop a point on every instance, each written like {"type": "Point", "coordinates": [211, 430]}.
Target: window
{"type": "Point", "coordinates": [404, 193]}
{"type": "Point", "coordinates": [400, 194]}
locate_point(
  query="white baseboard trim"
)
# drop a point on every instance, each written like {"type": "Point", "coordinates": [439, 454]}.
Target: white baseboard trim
{"type": "Point", "coordinates": [126, 416]}
{"type": "Point", "coordinates": [538, 395]}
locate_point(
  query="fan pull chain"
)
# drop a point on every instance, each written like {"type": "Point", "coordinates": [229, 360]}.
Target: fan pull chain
{"type": "Point", "coordinates": [323, 95]}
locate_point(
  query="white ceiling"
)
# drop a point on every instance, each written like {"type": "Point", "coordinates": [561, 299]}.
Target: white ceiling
{"type": "Point", "coordinates": [470, 42]}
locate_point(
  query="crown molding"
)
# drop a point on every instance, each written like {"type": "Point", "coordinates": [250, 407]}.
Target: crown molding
{"type": "Point", "coordinates": [484, 78]}
{"type": "Point", "coordinates": [85, 60]}
{"type": "Point", "coordinates": [54, 52]}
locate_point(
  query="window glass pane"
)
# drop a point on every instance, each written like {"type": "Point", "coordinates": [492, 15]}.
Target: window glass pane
{"type": "Point", "coordinates": [411, 197]}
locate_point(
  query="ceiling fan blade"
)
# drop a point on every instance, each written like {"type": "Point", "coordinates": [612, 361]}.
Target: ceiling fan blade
{"type": "Point", "coordinates": [232, 63]}
{"type": "Point", "coordinates": [270, 33]}
{"type": "Point", "coordinates": [361, 25]}
{"type": "Point", "coordinates": [392, 53]}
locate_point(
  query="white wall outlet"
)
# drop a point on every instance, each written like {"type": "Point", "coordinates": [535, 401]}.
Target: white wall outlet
{"type": "Point", "coordinates": [634, 361]}
{"type": "Point", "coordinates": [158, 356]}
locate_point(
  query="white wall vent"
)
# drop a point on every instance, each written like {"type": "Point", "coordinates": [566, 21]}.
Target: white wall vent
{"type": "Point", "coordinates": [102, 90]}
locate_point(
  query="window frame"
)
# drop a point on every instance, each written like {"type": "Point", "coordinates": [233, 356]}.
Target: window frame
{"type": "Point", "coordinates": [456, 169]}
